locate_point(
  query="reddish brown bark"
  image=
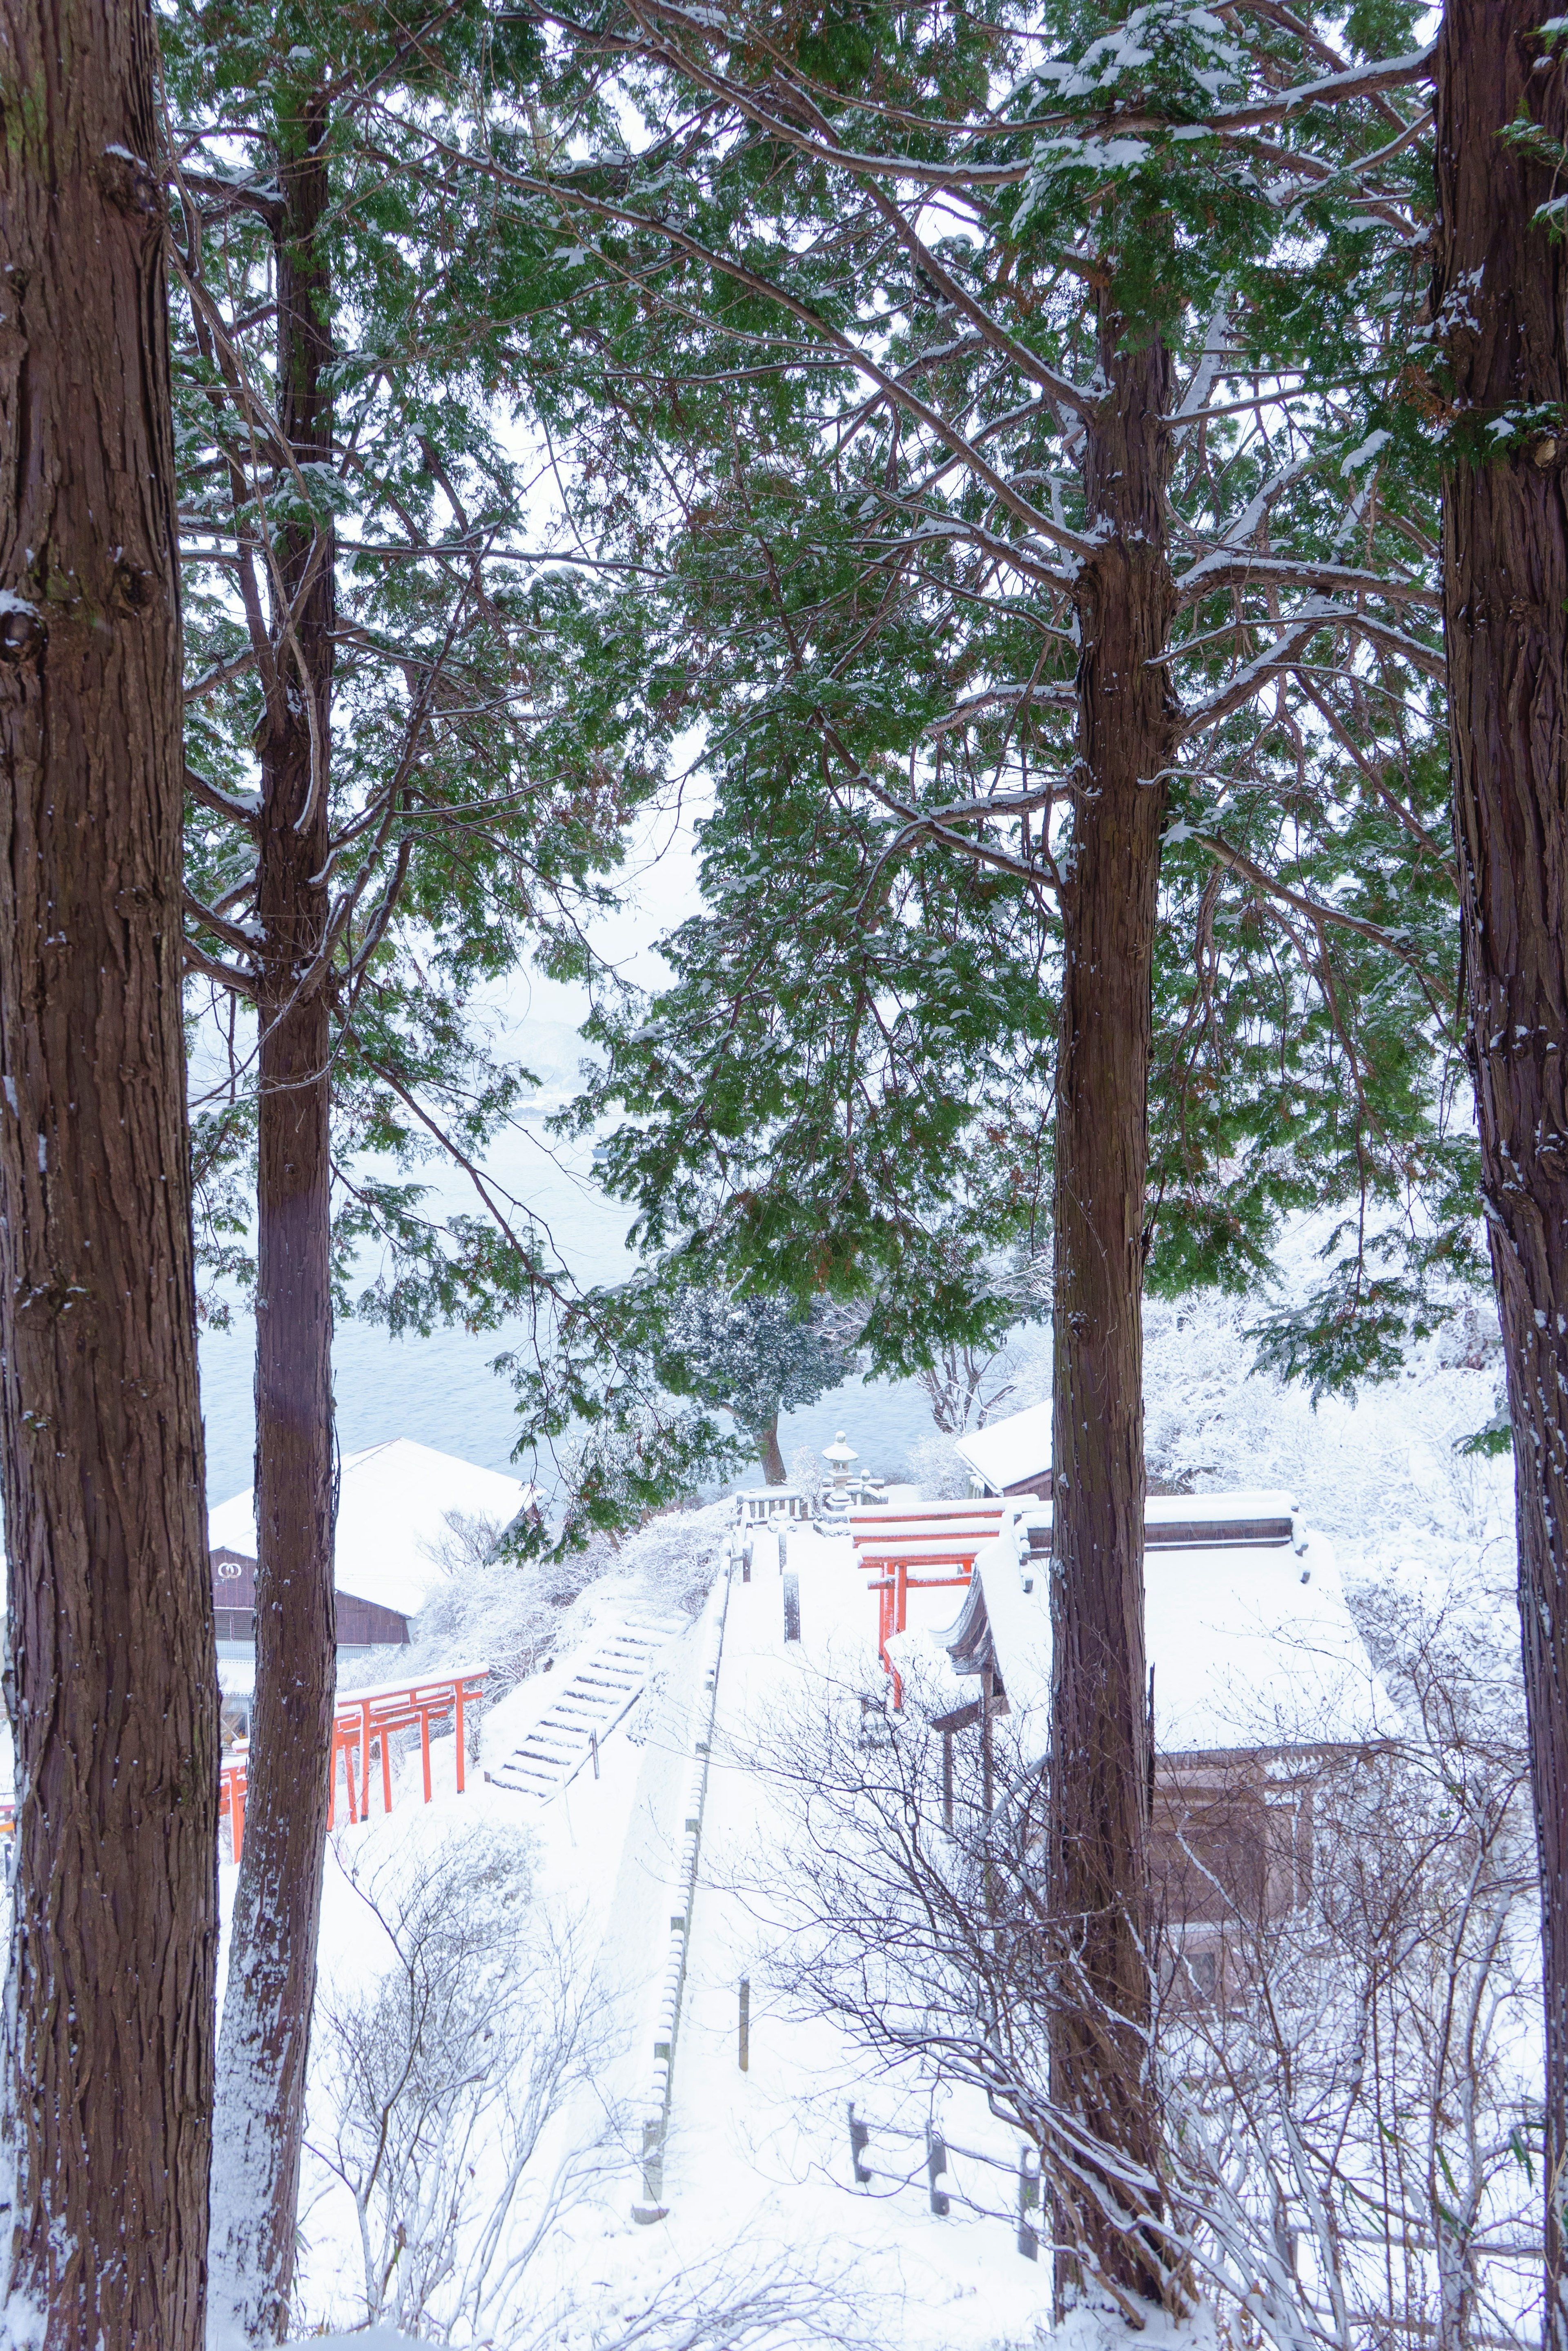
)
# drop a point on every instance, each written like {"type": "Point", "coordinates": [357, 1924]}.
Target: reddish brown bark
{"type": "Point", "coordinates": [114, 1697]}
{"type": "Point", "coordinates": [1499, 296]}
{"type": "Point", "coordinates": [1099, 1824]}
{"type": "Point", "coordinates": [266, 2035]}
{"type": "Point", "coordinates": [772, 1459]}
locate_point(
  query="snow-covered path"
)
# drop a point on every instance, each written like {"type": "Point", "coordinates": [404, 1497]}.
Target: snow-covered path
{"type": "Point", "coordinates": [756, 2174]}
{"type": "Point", "coordinates": [761, 2158]}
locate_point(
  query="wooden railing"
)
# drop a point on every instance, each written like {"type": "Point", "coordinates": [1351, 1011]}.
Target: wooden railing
{"type": "Point", "coordinates": [367, 1718]}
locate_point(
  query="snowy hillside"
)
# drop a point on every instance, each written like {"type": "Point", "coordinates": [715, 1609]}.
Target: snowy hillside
{"type": "Point", "coordinates": [487, 2178]}
{"type": "Point", "coordinates": [759, 2219]}
{"type": "Point", "coordinates": [546, 1938]}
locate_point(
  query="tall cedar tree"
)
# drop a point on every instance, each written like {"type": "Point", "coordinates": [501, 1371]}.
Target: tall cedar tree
{"type": "Point", "coordinates": [1307, 144]}
{"type": "Point", "coordinates": [1494, 383]}
{"type": "Point", "coordinates": [112, 1688]}
{"type": "Point", "coordinates": [404, 777]}
{"type": "Point", "coordinates": [1032, 512]}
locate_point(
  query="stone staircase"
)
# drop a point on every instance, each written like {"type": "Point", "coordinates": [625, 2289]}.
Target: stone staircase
{"type": "Point", "coordinates": [600, 1691]}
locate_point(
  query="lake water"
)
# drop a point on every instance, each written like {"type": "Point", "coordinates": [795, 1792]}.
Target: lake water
{"type": "Point", "coordinates": [441, 1391]}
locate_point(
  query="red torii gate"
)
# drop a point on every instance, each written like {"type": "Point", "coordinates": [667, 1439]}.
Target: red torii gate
{"type": "Point", "coordinates": [368, 1718]}
{"type": "Point", "coordinates": [936, 1535]}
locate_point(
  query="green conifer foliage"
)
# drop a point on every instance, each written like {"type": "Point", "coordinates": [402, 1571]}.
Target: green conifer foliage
{"type": "Point", "coordinates": [887, 650]}
{"type": "Point", "coordinates": [409, 763]}
{"type": "Point", "coordinates": [1047, 507]}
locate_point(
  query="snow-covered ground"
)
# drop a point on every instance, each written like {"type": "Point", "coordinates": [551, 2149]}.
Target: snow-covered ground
{"type": "Point", "coordinates": [756, 2186]}
{"type": "Point", "coordinates": [758, 2216]}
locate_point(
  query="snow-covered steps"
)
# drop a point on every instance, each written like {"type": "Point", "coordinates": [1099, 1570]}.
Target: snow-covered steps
{"type": "Point", "coordinates": [600, 1691]}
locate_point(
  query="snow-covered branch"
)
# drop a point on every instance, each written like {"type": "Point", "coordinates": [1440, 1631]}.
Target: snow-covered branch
{"type": "Point", "coordinates": [853, 354]}
{"type": "Point", "coordinates": [244, 812]}
{"type": "Point", "coordinates": [1223, 568]}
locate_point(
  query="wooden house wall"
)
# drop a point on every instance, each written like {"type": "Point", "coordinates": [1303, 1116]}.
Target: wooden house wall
{"type": "Point", "coordinates": [366, 1624]}
{"type": "Point", "coordinates": [1229, 1838]}
{"type": "Point", "coordinates": [361, 1623]}
{"type": "Point", "coordinates": [234, 1580]}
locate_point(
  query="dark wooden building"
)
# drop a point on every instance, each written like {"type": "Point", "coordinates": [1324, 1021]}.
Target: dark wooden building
{"type": "Point", "coordinates": [1262, 1690]}
{"type": "Point", "coordinates": [361, 1623]}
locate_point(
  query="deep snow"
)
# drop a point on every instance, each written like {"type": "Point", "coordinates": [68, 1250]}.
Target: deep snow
{"type": "Point", "coordinates": [756, 2180]}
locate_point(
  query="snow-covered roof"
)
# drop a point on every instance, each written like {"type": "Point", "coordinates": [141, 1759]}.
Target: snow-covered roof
{"type": "Point", "coordinates": [1251, 1645]}
{"type": "Point", "coordinates": [1257, 1515]}
{"type": "Point", "coordinates": [392, 1518]}
{"type": "Point", "coordinates": [1007, 1451]}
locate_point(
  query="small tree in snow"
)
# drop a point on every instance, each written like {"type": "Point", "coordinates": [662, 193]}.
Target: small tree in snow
{"type": "Point", "coordinates": [754, 1357]}
{"type": "Point", "coordinates": [457, 2098]}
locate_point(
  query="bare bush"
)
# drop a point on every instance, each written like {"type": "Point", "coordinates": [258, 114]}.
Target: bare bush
{"type": "Point", "coordinates": [1343, 1966]}
{"type": "Point", "coordinates": [742, 2297]}
{"type": "Point", "coordinates": [968, 1387]}
{"type": "Point", "coordinates": [1351, 2070]}
{"type": "Point", "coordinates": [1363, 2064]}
{"type": "Point", "coordinates": [458, 2080]}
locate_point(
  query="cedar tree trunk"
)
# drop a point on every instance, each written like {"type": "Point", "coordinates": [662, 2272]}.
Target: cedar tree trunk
{"type": "Point", "coordinates": [1499, 305]}
{"type": "Point", "coordinates": [113, 1685]}
{"type": "Point", "coordinates": [773, 1460]}
{"type": "Point", "coordinates": [1099, 1827]}
{"type": "Point", "coordinates": [265, 2033]}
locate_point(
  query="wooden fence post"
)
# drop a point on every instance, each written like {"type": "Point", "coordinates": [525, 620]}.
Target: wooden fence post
{"type": "Point", "coordinates": [1028, 2202]}
{"type": "Point", "coordinates": [935, 2164]}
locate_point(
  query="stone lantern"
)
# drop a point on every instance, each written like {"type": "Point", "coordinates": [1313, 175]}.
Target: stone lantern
{"type": "Point", "coordinates": [840, 1456]}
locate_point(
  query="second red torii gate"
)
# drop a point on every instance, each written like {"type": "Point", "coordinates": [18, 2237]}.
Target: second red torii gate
{"type": "Point", "coordinates": [363, 1718]}
{"type": "Point", "coordinates": [900, 1552]}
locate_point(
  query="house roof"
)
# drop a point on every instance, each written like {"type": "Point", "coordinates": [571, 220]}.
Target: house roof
{"type": "Point", "coordinates": [1007, 1451]}
{"type": "Point", "coordinates": [393, 1505]}
{"type": "Point", "coordinates": [1251, 1645]}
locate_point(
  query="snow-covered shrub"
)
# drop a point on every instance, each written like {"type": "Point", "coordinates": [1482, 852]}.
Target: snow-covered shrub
{"type": "Point", "coordinates": [1344, 1988]}
{"type": "Point", "coordinates": [936, 1466]}
{"type": "Point", "coordinates": [516, 1615]}
{"type": "Point", "coordinates": [808, 1472]}
{"type": "Point", "coordinates": [1360, 1469]}
{"type": "Point", "coordinates": [514, 1604]}
{"type": "Point", "coordinates": [670, 1561]}
{"type": "Point", "coordinates": [451, 2069]}
{"type": "Point", "coordinates": [745, 2296]}
{"type": "Point", "coordinates": [486, 1606]}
